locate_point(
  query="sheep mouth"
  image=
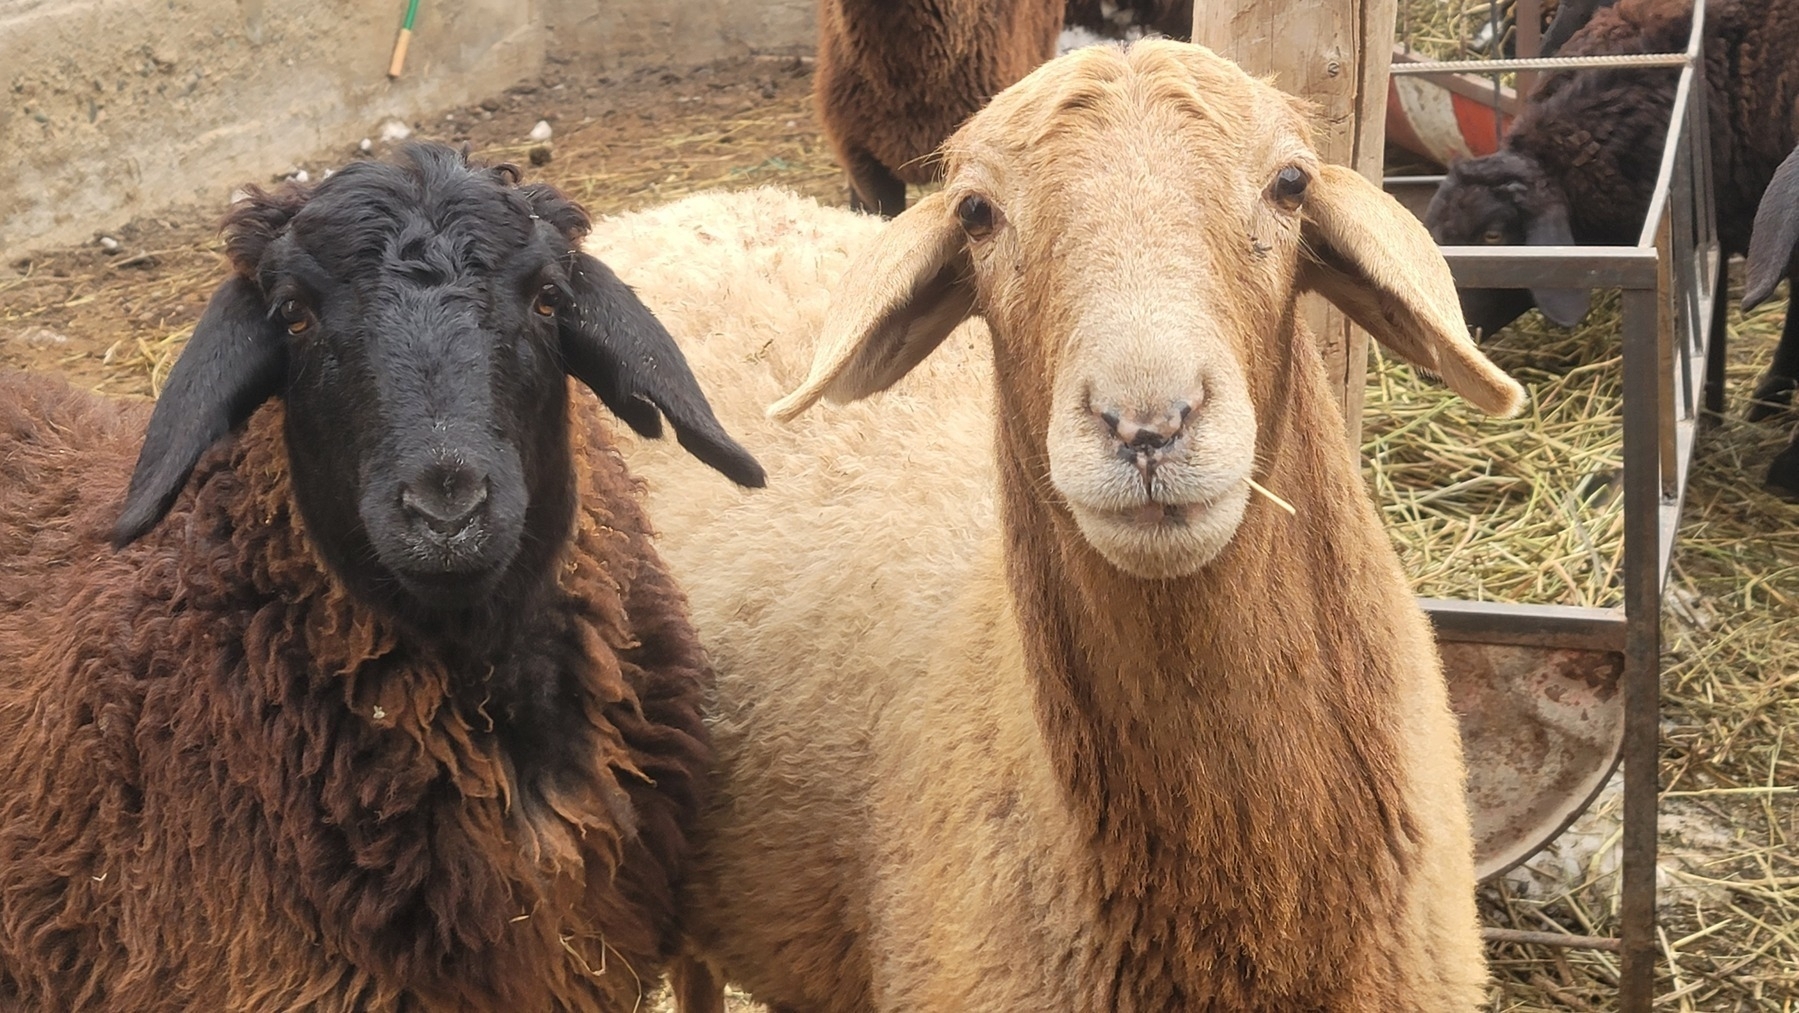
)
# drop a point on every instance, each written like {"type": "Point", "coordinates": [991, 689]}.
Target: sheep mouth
{"type": "Point", "coordinates": [1159, 539]}
{"type": "Point", "coordinates": [1158, 514]}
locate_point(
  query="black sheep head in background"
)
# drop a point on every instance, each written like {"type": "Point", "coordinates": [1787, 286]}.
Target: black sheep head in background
{"type": "Point", "coordinates": [419, 319]}
{"type": "Point", "coordinates": [1504, 199]}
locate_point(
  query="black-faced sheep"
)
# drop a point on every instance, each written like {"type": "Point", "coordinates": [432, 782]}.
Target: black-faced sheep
{"type": "Point", "coordinates": [895, 77]}
{"type": "Point", "coordinates": [1581, 159]}
{"type": "Point", "coordinates": [1025, 702]}
{"type": "Point", "coordinates": [383, 700]}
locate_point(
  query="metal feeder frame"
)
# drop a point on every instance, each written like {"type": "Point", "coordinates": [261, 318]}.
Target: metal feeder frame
{"type": "Point", "coordinates": [1674, 304]}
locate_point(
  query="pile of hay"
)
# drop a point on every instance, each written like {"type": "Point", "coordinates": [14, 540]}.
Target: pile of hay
{"type": "Point", "coordinates": [1522, 510]}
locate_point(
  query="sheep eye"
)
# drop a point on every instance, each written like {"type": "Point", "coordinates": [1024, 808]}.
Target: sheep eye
{"type": "Point", "coordinates": [294, 315]}
{"type": "Point", "coordinates": [1289, 186]}
{"type": "Point", "coordinates": [977, 216]}
{"type": "Point", "coordinates": [549, 299]}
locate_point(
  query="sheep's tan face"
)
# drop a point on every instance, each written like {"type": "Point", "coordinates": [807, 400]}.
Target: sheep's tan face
{"type": "Point", "coordinates": [1160, 223]}
{"type": "Point", "coordinates": [1134, 224]}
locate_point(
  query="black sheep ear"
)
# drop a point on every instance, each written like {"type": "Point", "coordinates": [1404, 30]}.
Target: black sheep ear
{"type": "Point", "coordinates": [234, 362]}
{"type": "Point", "coordinates": [1776, 230]}
{"type": "Point", "coordinates": [1564, 307]}
{"type": "Point", "coordinates": [613, 343]}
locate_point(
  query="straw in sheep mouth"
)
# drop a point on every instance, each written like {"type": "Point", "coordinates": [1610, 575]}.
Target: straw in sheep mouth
{"type": "Point", "coordinates": [1272, 498]}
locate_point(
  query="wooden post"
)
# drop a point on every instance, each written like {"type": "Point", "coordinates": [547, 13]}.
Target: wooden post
{"type": "Point", "coordinates": [1336, 54]}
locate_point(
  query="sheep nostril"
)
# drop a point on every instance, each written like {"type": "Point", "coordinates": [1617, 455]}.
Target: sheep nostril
{"type": "Point", "coordinates": [1153, 437]}
{"type": "Point", "coordinates": [1148, 430]}
{"type": "Point", "coordinates": [445, 507]}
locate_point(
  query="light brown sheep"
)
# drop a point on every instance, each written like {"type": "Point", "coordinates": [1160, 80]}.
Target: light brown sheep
{"type": "Point", "coordinates": [1024, 701]}
{"type": "Point", "coordinates": [896, 77]}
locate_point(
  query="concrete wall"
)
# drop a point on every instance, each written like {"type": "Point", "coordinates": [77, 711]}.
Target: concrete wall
{"type": "Point", "coordinates": [115, 108]}
{"type": "Point", "coordinates": [619, 34]}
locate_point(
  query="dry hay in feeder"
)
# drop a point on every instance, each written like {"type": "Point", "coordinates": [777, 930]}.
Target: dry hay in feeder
{"type": "Point", "coordinates": [1521, 510]}
{"type": "Point", "coordinates": [1447, 29]}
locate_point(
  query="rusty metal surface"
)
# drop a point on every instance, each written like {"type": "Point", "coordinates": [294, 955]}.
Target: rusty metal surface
{"type": "Point", "coordinates": [1541, 730]}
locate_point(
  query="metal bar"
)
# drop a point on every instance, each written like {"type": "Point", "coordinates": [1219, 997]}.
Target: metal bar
{"type": "Point", "coordinates": [1559, 266]}
{"type": "Point", "coordinates": [1664, 176]}
{"type": "Point", "coordinates": [1669, 519]}
{"type": "Point", "coordinates": [1715, 267]}
{"type": "Point", "coordinates": [1642, 652]}
{"type": "Point", "coordinates": [1696, 34]}
{"type": "Point", "coordinates": [1492, 622]}
{"type": "Point", "coordinates": [1683, 95]}
{"type": "Point", "coordinates": [1715, 339]}
{"type": "Point", "coordinates": [1528, 16]}
{"type": "Point", "coordinates": [1633, 60]}
{"type": "Point", "coordinates": [1667, 320]}
{"type": "Point", "coordinates": [1572, 942]}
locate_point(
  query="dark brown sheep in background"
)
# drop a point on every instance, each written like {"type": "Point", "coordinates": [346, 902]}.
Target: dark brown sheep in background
{"type": "Point", "coordinates": [1581, 160]}
{"type": "Point", "coordinates": [1173, 18]}
{"type": "Point", "coordinates": [377, 696]}
{"type": "Point", "coordinates": [896, 77]}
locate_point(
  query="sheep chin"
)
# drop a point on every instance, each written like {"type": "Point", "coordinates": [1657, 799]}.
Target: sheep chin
{"type": "Point", "coordinates": [1176, 541]}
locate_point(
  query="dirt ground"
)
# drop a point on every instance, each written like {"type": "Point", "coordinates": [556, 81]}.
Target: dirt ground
{"type": "Point", "coordinates": [109, 316]}
{"type": "Point", "coordinates": [112, 313]}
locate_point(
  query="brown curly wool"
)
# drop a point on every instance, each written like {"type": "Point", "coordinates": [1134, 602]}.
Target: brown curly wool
{"type": "Point", "coordinates": [896, 77]}
{"type": "Point", "coordinates": [224, 785]}
{"type": "Point", "coordinates": [1600, 133]}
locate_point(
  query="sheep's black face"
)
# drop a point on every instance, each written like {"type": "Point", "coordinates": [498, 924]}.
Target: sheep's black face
{"type": "Point", "coordinates": [1503, 199]}
{"type": "Point", "coordinates": [420, 320]}
{"type": "Point", "coordinates": [426, 398]}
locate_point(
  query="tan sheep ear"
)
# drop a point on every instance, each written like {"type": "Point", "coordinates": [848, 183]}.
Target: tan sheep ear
{"type": "Point", "coordinates": [1370, 256]}
{"type": "Point", "coordinates": [896, 303]}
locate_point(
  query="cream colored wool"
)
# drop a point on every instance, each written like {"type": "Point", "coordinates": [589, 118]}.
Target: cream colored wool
{"type": "Point", "coordinates": [970, 759]}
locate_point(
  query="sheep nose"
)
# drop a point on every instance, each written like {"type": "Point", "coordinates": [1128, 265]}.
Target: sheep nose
{"type": "Point", "coordinates": [446, 498]}
{"type": "Point", "coordinates": [1148, 430]}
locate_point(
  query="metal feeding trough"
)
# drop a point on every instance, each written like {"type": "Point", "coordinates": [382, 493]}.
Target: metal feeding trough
{"type": "Point", "coordinates": [1543, 729]}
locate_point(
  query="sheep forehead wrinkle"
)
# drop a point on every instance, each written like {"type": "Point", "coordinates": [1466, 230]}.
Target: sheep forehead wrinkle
{"type": "Point", "coordinates": [428, 208]}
